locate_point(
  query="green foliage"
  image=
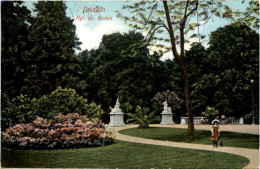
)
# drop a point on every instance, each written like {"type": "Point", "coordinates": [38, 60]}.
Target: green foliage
{"type": "Point", "coordinates": [251, 15]}
{"type": "Point", "coordinates": [143, 116]}
{"type": "Point", "coordinates": [194, 61]}
{"type": "Point", "coordinates": [239, 42]}
{"type": "Point", "coordinates": [94, 111]}
{"type": "Point", "coordinates": [149, 17]}
{"type": "Point", "coordinates": [131, 44]}
{"type": "Point", "coordinates": [38, 52]}
{"type": "Point", "coordinates": [65, 101]}
{"type": "Point", "coordinates": [105, 67]}
{"type": "Point", "coordinates": [15, 110]}
{"type": "Point", "coordinates": [224, 81]}
{"type": "Point", "coordinates": [178, 18]}
{"type": "Point", "coordinates": [38, 56]}
{"type": "Point", "coordinates": [22, 109]}
{"type": "Point", "coordinates": [112, 71]}
{"type": "Point", "coordinates": [15, 46]}
{"type": "Point", "coordinates": [54, 40]}
{"type": "Point", "coordinates": [210, 112]}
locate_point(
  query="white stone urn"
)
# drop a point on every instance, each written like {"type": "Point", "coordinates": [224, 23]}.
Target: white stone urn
{"type": "Point", "coordinates": [116, 116]}
{"type": "Point", "coordinates": [166, 114]}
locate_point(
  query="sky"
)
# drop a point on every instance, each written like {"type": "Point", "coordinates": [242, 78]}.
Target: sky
{"type": "Point", "coordinates": [90, 32]}
{"type": "Point", "coordinates": [91, 26]}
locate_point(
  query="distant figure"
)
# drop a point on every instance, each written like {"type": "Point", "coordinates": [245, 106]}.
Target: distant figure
{"type": "Point", "coordinates": [215, 131]}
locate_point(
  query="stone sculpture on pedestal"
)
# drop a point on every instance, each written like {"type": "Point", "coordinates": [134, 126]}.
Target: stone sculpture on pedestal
{"type": "Point", "coordinates": [116, 116]}
{"type": "Point", "coordinates": [166, 114]}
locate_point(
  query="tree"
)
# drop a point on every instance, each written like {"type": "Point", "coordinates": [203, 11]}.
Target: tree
{"type": "Point", "coordinates": [229, 67]}
{"type": "Point", "coordinates": [138, 81]}
{"type": "Point", "coordinates": [251, 15]}
{"type": "Point", "coordinates": [210, 113]}
{"type": "Point", "coordinates": [65, 101]}
{"type": "Point", "coordinates": [129, 43]}
{"type": "Point", "coordinates": [15, 47]}
{"type": "Point", "coordinates": [195, 60]}
{"type": "Point", "coordinates": [15, 110]}
{"type": "Point", "coordinates": [175, 17]}
{"type": "Point", "coordinates": [54, 40]}
{"type": "Point", "coordinates": [119, 68]}
{"type": "Point", "coordinates": [170, 97]}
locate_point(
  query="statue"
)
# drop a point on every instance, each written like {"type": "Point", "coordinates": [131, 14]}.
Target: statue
{"type": "Point", "coordinates": [116, 109]}
{"type": "Point", "coordinates": [166, 114]}
{"type": "Point", "coordinates": [166, 109]}
{"type": "Point", "coordinates": [165, 105]}
{"type": "Point", "coordinates": [116, 115]}
{"type": "Point", "coordinates": [117, 104]}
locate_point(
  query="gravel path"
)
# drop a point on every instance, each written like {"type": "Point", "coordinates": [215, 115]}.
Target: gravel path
{"type": "Point", "coordinates": [251, 154]}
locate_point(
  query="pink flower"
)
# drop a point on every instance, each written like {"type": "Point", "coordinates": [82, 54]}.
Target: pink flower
{"type": "Point", "coordinates": [51, 132]}
{"type": "Point", "coordinates": [102, 135]}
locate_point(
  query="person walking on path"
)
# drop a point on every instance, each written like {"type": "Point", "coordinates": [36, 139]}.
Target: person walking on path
{"type": "Point", "coordinates": [215, 131]}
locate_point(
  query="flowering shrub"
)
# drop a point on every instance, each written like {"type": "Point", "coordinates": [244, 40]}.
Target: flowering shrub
{"type": "Point", "coordinates": [63, 131]}
{"type": "Point", "coordinates": [170, 97]}
{"type": "Point", "coordinates": [23, 109]}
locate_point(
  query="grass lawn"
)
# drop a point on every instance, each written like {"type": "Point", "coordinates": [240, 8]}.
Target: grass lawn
{"type": "Point", "coordinates": [121, 155]}
{"type": "Point", "coordinates": [202, 136]}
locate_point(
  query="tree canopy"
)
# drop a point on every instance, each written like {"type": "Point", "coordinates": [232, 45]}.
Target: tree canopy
{"type": "Point", "coordinates": [115, 71]}
{"type": "Point", "coordinates": [251, 15]}
{"type": "Point", "coordinates": [176, 17]}
{"type": "Point", "coordinates": [15, 47]}
{"type": "Point", "coordinates": [54, 41]}
{"type": "Point", "coordinates": [227, 70]}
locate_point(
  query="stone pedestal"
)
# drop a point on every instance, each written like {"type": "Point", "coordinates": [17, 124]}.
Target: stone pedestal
{"type": "Point", "coordinates": [167, 119]}
{"type": "Point", "coordinates": [183, 120]}
{"type": "Point", "coordinates": [166, 115]}
{"type": "Point", "coordinates": [116, 116]}
{"type": "Point", "coordinates": [116, 119]}
{"type": "Point", "coordinates": [241, 120]}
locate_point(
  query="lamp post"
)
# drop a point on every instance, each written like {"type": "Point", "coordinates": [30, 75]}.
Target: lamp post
{"type": "Point", "coordinates": [253, 107]}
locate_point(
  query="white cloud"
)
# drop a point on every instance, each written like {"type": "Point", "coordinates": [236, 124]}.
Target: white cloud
{"type": "Point", "coordinates": [167, 55]}
{"type": "Point", "coordinates": [91, 37]}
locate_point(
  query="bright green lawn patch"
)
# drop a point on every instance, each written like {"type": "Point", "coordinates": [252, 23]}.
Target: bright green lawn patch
{"type": "Point", "coordinates": [202, 136]}
{"type": "Point", "coordinates": [121, 155]}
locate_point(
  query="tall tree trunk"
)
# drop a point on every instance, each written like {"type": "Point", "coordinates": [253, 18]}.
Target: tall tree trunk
{"type": "Point", "coordinates": [179, 59]}
{"type": "Point", "coordinates": [188, 101]}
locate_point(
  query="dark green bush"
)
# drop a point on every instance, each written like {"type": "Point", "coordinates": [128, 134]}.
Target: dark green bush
{"type": "Point", "coordinates": [65, 101]}
{"type": "Point", "coordinates": [15, 110]}
{"type": "Point", "coordinates": [23, 110]}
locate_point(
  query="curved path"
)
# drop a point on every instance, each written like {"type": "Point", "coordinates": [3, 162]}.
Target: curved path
{"type": "Point", "coordinates": [251, 154]}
